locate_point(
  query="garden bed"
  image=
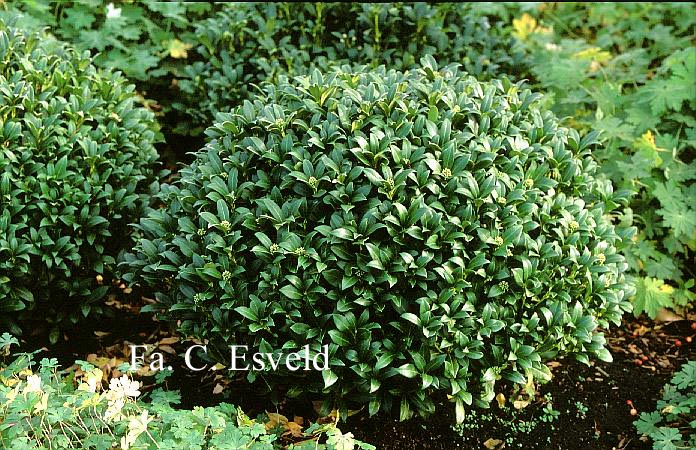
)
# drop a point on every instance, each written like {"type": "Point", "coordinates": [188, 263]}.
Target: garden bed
{"type": "Point", "coordinates": [591, 401]}
{"type": "Point", "coordinates": [446, 203]}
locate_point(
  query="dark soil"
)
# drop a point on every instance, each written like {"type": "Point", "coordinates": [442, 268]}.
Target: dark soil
{"type": "Point", "coordinates": [603, 388]}
{"type": "Point", "coordinates": [591, 402]}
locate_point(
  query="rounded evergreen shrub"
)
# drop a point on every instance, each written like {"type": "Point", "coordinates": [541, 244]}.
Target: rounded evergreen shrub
{"type": "Point", "coordinates": [436, 232]}
{"type": "Point", "coordinates": [245, 44]}
{"type": "Point", "coordinates": [76, 162]}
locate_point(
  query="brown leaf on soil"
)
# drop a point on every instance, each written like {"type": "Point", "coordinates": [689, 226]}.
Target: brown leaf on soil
{"type": "Point", "coordinates": [634, 349]}
{"type": "Point", "coordinates": [500, 398]}
{"type": "Point", "coordinates": [622, 443]}
{"type": "Point", "coordinates": [664, 363]}
{"type": "Point", "coordinates": [274, 420]}
{"type": "Point", "coordinates": [493, 444]}
{"type": "Point", "coordinates": [640, 330]}
{"type": "Point", "coordinates": [519, 404]}
{"type": "Point", "coordinates": [167, 349]}
{"type": "Point", "coordinates": [294, 429]}
{"type": "Point", "coordinates": [144, 371]}
{"type": "Point", "coordinates": [665, 315]}
{"type": "Point", "coordinates": [106, 364]}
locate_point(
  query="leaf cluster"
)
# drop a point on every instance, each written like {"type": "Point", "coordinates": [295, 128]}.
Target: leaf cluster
{"type": "Point", "coordinates": [196, 59]}
{"type": "Point", "coordinates": [243, 45]}
{"type": "Point", "coordinates": [146, 41]}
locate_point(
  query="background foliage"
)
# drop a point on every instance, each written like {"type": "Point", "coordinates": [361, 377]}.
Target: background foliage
{"type": "Point", "coordinates": [673, 424]}
{"type": "Point", "coordinates": [629, 71]}
{"type": "Point", "coordinates": [194, 68]}
{"type": "Point", "coordinates": [242, 46]}
{"type": "Point", "coordinates": [148, 41]}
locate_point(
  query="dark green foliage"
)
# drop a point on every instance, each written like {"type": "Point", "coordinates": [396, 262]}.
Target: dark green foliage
{"type": "Point", "coordinates": [149, 42]}
{"type": "Point", "coordinates": [437, 232]}
{"type": "Point", "coordinates": [76, 160]}
{"type": "Point", "coordinates": [194, 59]}
{"type": "Point", "coordinates": [245, 44]}
{"type": "Point", "coordinates": [201, 67]}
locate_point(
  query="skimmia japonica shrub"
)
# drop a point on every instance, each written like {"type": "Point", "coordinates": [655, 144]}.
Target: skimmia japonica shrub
{"type": "Point", "coordinates": [436, 232]}
{"type": "Point", "coordinates": [76, 162]}
{"type": "Point", "coordinates": [244, 44]}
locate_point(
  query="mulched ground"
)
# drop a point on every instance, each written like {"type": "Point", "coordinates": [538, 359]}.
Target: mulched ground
{"type": "Point", "coordinates": [591, 402]}
{"type": "Point", "coordinates": [603, 388]}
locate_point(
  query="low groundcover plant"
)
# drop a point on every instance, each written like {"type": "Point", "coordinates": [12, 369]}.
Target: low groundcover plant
{"type": "Point", "coordinates": [42, 407]}
{"type": "Point", "coordinates": [673, 424]}
{"type": "Point", "coordinates": [437, 232]}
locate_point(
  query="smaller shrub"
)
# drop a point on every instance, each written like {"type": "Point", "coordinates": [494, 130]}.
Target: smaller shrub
{"type": "Point", "coordinates": [673, 424]}
{"type": "Point", "coordinates": [76, 163]}
{"type": "Point", "coordinates": [42, 408]}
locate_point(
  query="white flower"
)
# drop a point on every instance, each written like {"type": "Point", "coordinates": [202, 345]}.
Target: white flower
{"type": "Point", "coordinates": [124, 387]}
{"type": "Point", "coordinates": [137, 425]}
{"type": "Point", "coordinates": [112, 11]}
{"type": "Point", "coordinates": [43, 403]}
{"type": "Point", "coordinates": [113, 409]}
{"type": "Point", "coordinates": [552, 47]}
{"type": "Point", "coordinates": [33, 384]}
{"type": "Point", "coordinates": [91, 378]}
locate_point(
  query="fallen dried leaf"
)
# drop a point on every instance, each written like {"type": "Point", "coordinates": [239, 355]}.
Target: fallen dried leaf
{"type": "Point", "coordinates": [500, 398]}
{"type": "Point", "coordinates": [167, 349]}
{"type": "Point", "coordinates": [294, 429]}
{"type": "Point", "coordinates": [519, 404]}
{"type": "Point", "coordinates": [274, 420]}
{"type": "Point", "coordinates": [492, 444]}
